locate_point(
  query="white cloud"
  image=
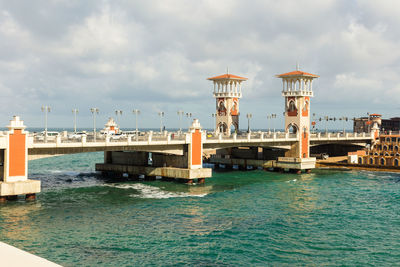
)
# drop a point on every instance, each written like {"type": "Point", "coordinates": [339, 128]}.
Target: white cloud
{"type": "Point", "coordinates": [157, 55]}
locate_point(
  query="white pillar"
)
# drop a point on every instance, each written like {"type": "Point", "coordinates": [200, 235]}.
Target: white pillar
{"type": "Point", "coordinates": [236, 89]}
{"type": "Point", "coordinates": [214, 87]}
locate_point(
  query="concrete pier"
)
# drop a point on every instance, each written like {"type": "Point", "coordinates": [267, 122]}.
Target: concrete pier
{"type": "Point", "coordinates": [165, 172]}
{"type": "Point", "coordinates": [186, 166]}
{"type": "Point", "coordinates": [14, 257]}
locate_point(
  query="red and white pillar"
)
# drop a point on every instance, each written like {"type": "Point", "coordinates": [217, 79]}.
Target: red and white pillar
{"type": "Point", "coordinates": [195, 149]}
{"type": "Point", "coordinates": [15, 173]}
{"type": "Point", "coordinates": [16, 153]}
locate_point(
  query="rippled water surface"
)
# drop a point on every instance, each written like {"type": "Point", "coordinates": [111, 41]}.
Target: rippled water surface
{"type": "Point", "coordinates": [237, 218]}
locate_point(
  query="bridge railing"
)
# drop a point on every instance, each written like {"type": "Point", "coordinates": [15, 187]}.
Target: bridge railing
{"type": "Point", "coordinates": [252, 136]}
{"type": "Point", "coordinates": [340, 135]}
{"type": "Point", "coordinates": [89, 138]}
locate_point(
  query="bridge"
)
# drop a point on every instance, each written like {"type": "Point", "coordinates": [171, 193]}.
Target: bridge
{"type": "Point", "coordinates": [177, 155]}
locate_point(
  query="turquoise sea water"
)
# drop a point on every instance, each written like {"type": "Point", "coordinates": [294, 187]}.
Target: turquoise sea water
{"type": "Point", "coordinates": [238, 218]}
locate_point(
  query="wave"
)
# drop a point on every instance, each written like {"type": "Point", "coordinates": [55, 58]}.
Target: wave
{"type": "Point", "coordinates": [72, 173]}
{"type": "Point", "coordinates": [148, 191]}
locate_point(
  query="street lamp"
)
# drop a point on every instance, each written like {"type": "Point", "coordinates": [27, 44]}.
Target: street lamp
{"type": "Point", "coordinates": [94, 112]}
{"type": "Point", "coordinates": [180, 114]}
{"type": "Point", "coordinates": [118, 113]}
{"type": "Point", "coordinates": [189, 115]}
{"type": "Point", "coordinates": [271, 117]}
{"type": "Point", "coordinates": [248, 116]}
{"type": "Point", "coordinates": [161, 114]}
{"type": "Point", "coordinates": [344, 119]}
{"type": "Point", "coordinates": [75, 111]}
{"type": "Point", "coordinates": [214, 115]}
{"type": "Point", "coordinates": [45, 109]}
{"type": "Point", "coordinates": [326, 124]}
{"type": "Point", "coordinates": [136, 112]}
{"type": "Point", "coordinates": [313, 122]}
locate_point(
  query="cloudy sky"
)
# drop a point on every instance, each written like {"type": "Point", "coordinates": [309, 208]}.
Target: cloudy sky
{"type": "Point", "coordinates": [156, 56]}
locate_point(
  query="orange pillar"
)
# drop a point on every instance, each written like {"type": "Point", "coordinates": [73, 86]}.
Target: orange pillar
{"type": "Point", "coordinates": [15, 175]}
{"type": "Point", "coordinates": [195, 150]}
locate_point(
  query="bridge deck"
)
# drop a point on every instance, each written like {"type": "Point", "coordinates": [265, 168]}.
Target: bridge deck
{"type": "Point", "coordinates": [173, 142]}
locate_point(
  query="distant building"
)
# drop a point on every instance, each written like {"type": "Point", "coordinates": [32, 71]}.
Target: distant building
{"type": "Point", "coordinates": [384, 153]}
{"type": "Point", "coordinates": [365, 124]}
{"type": "Point", "coordinates": [392, 124]}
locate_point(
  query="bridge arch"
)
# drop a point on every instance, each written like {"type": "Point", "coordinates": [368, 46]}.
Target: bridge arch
{"type": "Point", "coordinates": [292, 128]}
{"type": "Point", "coordinates": [234, 127]}
{"type": "Point", "coordinates": [222, 127]}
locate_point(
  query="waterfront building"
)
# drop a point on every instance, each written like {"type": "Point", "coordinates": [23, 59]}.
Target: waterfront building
{"type": "Point", "coordinates": [227, 93]}
{"type": "Point", "coordinates": [364, 124]}
{"type": "Point", "coordinates": [385, 152]}
{"type": "Point", "coordinates": [392, 124]}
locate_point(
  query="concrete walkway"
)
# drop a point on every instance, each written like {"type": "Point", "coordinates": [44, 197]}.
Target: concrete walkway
{"type": "Point", "coordinates": [14, 257]}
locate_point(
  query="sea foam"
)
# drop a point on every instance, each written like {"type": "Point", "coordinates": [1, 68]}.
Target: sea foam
{"type": "Point", "coordinates": [148, 191]}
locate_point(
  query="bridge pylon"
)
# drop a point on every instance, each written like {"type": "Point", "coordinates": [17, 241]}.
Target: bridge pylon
{"type": "Point", "coordinates": [227, 92]}
{"type": "Point", "coordinates": [185, 163]}
{"type": "Point", "coordinates": [297, 91]}
{"type": "Point", "coordinates": [14, 168]}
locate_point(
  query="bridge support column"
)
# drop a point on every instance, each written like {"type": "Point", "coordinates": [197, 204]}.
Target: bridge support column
{"type": "Point", "coordinates": [242, 157]}
{"type": "Point", "coordinates": [14, 170]}
{"type": "Point", "coordinates": [187, 167]}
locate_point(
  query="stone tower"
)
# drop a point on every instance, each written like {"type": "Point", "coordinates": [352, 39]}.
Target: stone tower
{"type": "Point", "coordinates": [227, 92]}
{"type": "Point", "coordinates": [297, 91]}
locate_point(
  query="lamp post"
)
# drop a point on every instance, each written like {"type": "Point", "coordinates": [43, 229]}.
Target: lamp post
{"type": "Point", "coordinates": [161, 114]}
{"type": "Point", "coordinates": [136, 112]}
{"type": "Point", "coordinates": [189, 115]}
{"type": "Point", "coordinates": [326, 124]}
{"type": "Point", "coordinates": [273, 116]}
{"type": "Point", "coordinates": [248, 116]}
{"type": "Point", "coordinates": [75, 111]}
{"type": "Point", "coordinates": [118, 114]}
{"type": "Point", "coordinates": [94, 112]}
{"type": "Point", "coordinates": [180, 114]}
{"type": "Point", "coordinates": [313, 122]}
{"type": "Point", "coordinates": [45, 109]}
{"type": "Point", "coordinates": [344, 119]}
{"type": "Point", "coordinates": [214, 115]}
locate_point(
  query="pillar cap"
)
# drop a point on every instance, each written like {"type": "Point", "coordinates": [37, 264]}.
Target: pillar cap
{"type": "Point", "coordinates": [16, 123]}
{"type": "Point", "coordinates": [195, 125]}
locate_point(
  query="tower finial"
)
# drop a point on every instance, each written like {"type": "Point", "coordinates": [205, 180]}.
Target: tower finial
{"type": "Point", "coordinates": [297, 65]}
{"type": "Point", "coordinates": [227, 70]}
